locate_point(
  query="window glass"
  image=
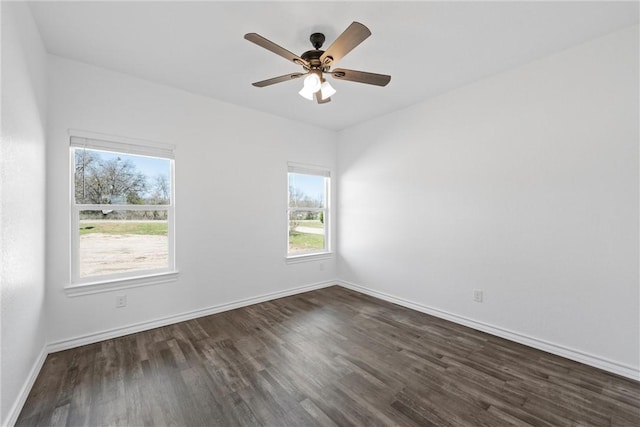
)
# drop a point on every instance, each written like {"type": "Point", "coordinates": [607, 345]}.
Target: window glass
{"type": "Point", "coordinates": [103, 177]}
{"type": "Point", "coordinates": [307, 212]}
{"type": "Point", "coordinates": [122, 215]}
{"type": "Point", "coordinates": [306, 232]}
{"type": "Point", "coordinates": [306, 190]}
{"type": "Point", "coordinates": [122, 241]}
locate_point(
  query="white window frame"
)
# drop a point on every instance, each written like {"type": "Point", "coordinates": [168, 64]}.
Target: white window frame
{"type": "Point", "coordinates": [106, 282]}
{"type": "Point", "coordinates": [326, 210]}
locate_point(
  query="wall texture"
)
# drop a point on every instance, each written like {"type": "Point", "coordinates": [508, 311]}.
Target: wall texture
{"type": "Point", "coordinates": [231, 194]}
{"type": "Point", "coordinates": [523, 185]}
{"type": "Point", "coordinates": [22, 204]}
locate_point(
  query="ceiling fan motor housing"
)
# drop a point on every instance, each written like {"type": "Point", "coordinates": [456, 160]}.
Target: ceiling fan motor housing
{"type": "Point", "coordinates": [313, 56]}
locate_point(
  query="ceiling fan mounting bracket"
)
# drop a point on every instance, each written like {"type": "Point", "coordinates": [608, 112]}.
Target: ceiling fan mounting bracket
{"type": "Point", "coordinates": [317, 39]}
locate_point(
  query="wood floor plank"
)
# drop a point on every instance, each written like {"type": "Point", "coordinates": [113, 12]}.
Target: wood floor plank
{"type": "Point", "coordinates": [317, 413]}
{"type": "Point", "coordinates": [330, 357]}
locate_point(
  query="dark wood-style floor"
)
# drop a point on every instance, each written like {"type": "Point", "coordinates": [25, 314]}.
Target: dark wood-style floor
{"type": "Point", "coordinates": [327, 357]}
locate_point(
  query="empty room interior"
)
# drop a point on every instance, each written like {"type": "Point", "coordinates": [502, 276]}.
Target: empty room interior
{"type": "Point", "coordinates": [320, 213]}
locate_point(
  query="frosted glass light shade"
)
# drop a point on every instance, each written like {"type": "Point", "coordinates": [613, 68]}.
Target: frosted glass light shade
{"type": "Point", "coordinates": [326, 90]}
{"type": "Point", "coordinates": [305, 93]}
{"type": "Point", "coordinates": [312, 84]}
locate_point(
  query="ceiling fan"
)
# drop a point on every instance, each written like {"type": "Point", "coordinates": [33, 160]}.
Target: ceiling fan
{"type": "Point", "coordinates": [316, 63]}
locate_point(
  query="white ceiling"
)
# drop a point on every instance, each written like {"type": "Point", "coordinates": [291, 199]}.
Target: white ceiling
{"type": "Point", "coordinates": [427, 47]}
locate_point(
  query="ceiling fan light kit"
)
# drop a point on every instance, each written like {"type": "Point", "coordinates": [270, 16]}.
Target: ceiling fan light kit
{"type": "Point", "coordinates": [317, 62]}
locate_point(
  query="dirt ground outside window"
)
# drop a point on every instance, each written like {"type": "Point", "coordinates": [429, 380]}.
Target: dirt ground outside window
{"type": "Point", "coordinates": [102, 254]}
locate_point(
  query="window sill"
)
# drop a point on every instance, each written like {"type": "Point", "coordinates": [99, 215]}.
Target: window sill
{"type": "Point", "coordinates": [294, 259]}
{"type": "Point", "coordinates": [117, 284]}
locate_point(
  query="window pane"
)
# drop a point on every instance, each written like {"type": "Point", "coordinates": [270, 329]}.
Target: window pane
{"type": "Point", "coordinates": [306, 191]}
{"type": "Point", "coordinates": [123, 241]}
{"type": "Point", "coordinates": [306, 232]}
{"type": "Point", "coordinates": [103, 177]}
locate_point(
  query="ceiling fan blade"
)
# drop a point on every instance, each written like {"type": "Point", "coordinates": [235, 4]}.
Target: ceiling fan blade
{"type": "Point", "coordinates": [355, 34]}
{"type": "Point", "coordinates": [319, 99]}
{"type": "Point", "coordinates": [361, 77]}
{"type": "Point", "coordinates": [279, 79]}
{"type": "Point", "coordinates": [278, 50]}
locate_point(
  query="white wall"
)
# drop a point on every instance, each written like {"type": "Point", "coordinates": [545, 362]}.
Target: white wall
{"type": "Point", "coordinates": [22, 206]}
{"type": "Point", "coordinates": [231, 182]}
{"type": "Point", "coordinates": [524, 185]}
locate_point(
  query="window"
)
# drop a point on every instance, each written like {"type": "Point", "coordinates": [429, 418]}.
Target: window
{"type": "Point", "coordinates": [308, 212]}
{"type": "Point", "coordinates": [122, 211]}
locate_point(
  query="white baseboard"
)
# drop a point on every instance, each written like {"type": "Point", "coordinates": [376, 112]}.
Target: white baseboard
{"type": "Point", "coordinates": [559, 350]}
{"type": "Point", "coordinates": [164, 321]}
{"type": "Point", "coordinates": [15, 410]}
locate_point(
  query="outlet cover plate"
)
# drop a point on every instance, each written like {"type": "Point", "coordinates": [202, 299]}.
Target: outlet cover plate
{"type": "Point", "coordinates": [121, 301]}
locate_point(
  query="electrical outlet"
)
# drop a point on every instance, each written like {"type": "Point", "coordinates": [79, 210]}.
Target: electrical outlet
{"type": "Point", "coordinates": [477, 295]}
{"type": "Point", "coordinates": [121, 301]}
{"type": "Point", "coordinates": [322, 266]}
